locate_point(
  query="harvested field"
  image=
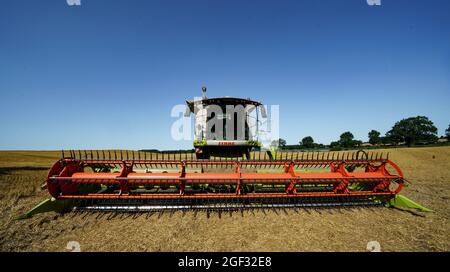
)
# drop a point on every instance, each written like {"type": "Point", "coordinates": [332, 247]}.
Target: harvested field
{"type": "Point", "coordinates": [428, 169]}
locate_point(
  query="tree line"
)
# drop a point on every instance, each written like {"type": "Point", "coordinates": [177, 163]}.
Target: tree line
{"type": "Point", "coordinates": [409, 131]}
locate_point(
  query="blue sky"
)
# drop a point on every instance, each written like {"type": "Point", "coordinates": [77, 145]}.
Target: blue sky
{"type": "Point", "coordinates": [106, 74]}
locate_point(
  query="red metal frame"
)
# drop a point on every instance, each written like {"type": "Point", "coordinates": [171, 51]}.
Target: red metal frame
{"type": "Point", "coordinates": [67, 175]}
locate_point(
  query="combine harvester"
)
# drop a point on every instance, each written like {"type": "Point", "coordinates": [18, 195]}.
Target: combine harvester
{"type": "Point", "coordinates": [226, 174]}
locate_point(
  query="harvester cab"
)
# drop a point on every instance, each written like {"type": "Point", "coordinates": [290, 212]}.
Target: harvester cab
{"type": "Point", "coordinates": [225, 126]}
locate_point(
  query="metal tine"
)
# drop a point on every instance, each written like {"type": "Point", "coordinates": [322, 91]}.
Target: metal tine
{"type": "Point", "coordinates": [150, 155]}
{"type": "Point", "coordinates": [145, 158]}
{"type": "Point", "coordinates": [324, 159]}
{"type": "Point", "coordinates": [276, 157]}
{"type": "Point", "coordinates": [177, 156]}
{"type": "Point", "coordinates": [376, 156]}
{"type": "Point", "coordinates": [262, 157]}
{"type": "Point", "coordinates": [306, 158]}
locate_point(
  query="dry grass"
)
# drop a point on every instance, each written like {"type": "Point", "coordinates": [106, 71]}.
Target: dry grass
{"type": "Point", "coordinates": [306, 230]}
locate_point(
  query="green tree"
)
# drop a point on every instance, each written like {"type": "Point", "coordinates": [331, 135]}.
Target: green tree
{"type": "Point", "coordinates": [374, 137]}
{"type": "Point", "coordinates": [412, 130]}
{"type": "Point", "coordinates": [334, 144]}
{"type": "Point", "coordinates": [346, 139]}
{"type": "Point", "coordinates": [447, 133]}
{"type": "Point", "coordinates": [307, 142]}
{"type": "Point", "coordinates": [281, 142]}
